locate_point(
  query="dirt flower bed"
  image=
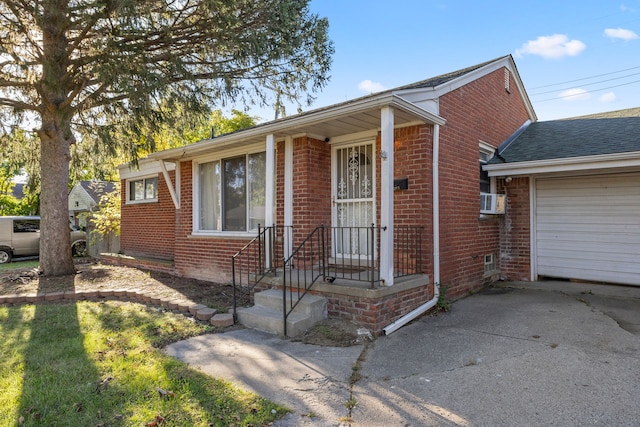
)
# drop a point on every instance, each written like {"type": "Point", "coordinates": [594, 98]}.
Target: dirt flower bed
{"type": "Point", "coordinates": [92, 275]}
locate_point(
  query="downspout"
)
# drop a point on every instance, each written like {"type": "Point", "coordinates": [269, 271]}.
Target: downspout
{"type": "Point", "coordinates": [436, 242]}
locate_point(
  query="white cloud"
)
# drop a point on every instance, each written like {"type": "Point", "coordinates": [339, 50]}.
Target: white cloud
{"type": "Point", "coordinates": [625, 8]}
{"type": "Point", "coordinates": [607, 97]}
{"type": "Point", "coordinates": [370, 86]}
{"type": "Point", "coordinates": [555, 46]}
{"type": "Point", "coordinates": [575, 94]}
{"type": "Point", "coordinates": [620, 33]}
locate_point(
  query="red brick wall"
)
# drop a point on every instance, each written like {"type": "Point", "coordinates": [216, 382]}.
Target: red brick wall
{"type": "Point", "coordinates": [311, 186]}
{"type": "Point", "coordinates": [414, 206]}
{"type": "Point", "coordinates": [481, 110]}
{"type": "Point", "coordinates": [376, 314]}
{"type": "Point", "coordinates": [200, 257]}
{"type": "Point", "coordinates": [515, 230]}
{"type": "Point", "coordinates": [209, 258]}
{"type": "Point", "coordinates": [147, 229]}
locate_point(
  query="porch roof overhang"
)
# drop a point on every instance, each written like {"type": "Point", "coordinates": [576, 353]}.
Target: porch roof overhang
{"type": "Point", "coordinates": [606, 162]}
{"type": "Point", "coordinates": [347, 118]}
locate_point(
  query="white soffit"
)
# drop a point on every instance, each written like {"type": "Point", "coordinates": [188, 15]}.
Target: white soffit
{"type": "Point", "coordinates": [347, 118]}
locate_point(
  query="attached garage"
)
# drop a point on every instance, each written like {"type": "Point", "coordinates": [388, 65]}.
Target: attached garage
{"type": "Point", "coordinates": [573, 199]}
{"type": "Point", "coordinates": [588, 228]}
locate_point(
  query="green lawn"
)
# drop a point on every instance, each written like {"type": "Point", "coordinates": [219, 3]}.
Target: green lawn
{"type": "Point", "coordinates": [19, 265]}
{"type": "Point", "coordinates": [99, 364]}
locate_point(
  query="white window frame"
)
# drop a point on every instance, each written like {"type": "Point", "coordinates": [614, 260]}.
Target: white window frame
{"type": "Point", "coordinates": [486, 153]}
{"type": "Point", "coordinates": [219, 157]}
{"type": "Point", "coordinates": [143, 179]}
{"type": "Point", "coordinates": [490, 264]}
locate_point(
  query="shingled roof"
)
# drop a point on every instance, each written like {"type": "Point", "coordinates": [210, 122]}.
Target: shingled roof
{"type": "Point", "coordinates": [97, 189]}
{"type": "Point", "coordinates": [18, 190]}
{"type": "Point", "coordinates": [596, 134]}
{"type": "Point", "coordinates": [444, 78]}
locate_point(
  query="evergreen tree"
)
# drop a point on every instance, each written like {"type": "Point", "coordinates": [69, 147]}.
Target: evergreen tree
{"type": "Point", "coordinates": [105, 72]}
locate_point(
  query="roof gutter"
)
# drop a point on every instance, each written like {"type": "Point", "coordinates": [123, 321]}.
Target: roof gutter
{"type": "Point", "coordinates": [570, 164]}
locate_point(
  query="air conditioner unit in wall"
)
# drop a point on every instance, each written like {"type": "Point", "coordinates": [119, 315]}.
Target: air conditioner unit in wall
{"type": "Point", "coordinates": [492, 203]}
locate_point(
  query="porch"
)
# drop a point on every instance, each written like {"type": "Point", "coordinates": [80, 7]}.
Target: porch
{"type": "Point", "coordinates": [340, 264]}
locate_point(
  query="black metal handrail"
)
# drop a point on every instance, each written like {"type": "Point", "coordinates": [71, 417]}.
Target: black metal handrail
{"type": "Point", "coordinates": [346, 253]}
{"type": "Point", "coordinates": [407, 250]}
{"type": "Point", "coordinates": [261, 257]}
{"type": "Point", "coordinates": [308, 263]}
{"type": "Point", "coordinates": [330, 253]}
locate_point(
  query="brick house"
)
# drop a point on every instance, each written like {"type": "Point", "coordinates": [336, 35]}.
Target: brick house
{"type": "Point", "coordinates": [381, 194]}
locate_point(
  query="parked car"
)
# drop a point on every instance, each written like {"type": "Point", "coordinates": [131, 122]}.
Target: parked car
{"type": "Point", "coordinates": [20, 236]}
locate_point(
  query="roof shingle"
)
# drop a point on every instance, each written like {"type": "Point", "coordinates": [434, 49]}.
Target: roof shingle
{"type": "Point", "coordinates": [598, 134]}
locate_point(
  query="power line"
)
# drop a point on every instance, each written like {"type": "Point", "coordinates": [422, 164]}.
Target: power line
{"type": "Point", "coordinates": [587, 92]}
{"type": "Point", "coordinates": [584, 78]}
{"type": "Point", "coordinates": [590, 84]}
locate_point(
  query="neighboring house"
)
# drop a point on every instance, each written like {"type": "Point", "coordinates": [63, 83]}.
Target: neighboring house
{"type": "Point", "coordinates": [573, 199]}
{"type": "Point", "coordinates": [395, 178]}
{"type": "Point", "coordinates": [84, 196]}
{"type": "Point", "coordinates": [18, 190]}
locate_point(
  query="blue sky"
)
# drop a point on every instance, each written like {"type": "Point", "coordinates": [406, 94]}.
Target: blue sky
{"type": "Point", "coordinates": [574, 57]}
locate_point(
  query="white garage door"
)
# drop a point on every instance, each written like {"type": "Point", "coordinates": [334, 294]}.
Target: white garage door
{"type": "Point", "coordinates": [589, 228]}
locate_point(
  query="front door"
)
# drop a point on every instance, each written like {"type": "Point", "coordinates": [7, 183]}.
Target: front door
{"type": "Point", "coordinates": [353, 201]}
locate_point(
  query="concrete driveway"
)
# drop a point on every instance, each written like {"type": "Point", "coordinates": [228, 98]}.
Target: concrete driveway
{"type": "Point", "coordinates": [521, 354]}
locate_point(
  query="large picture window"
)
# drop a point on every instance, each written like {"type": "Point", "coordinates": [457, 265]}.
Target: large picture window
{"type": "Point", "coordinates": [232, 193]}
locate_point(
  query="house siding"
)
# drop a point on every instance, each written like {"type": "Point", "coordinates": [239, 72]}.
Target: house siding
{"type": "Point", "coordinates": [148, 229]}
{"type": "Point", "coordinates": [482, 110]}
{"type": "Point", "coordinates": [515, 232]}
{"type": "Point", "coordinates": [311, 186]}
{"type": "Point", "coordinates": [413, 207]}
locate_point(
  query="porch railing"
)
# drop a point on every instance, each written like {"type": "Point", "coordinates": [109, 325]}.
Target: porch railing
{"type": "Point", "coordinates": [301, 270]}
{"type": "Point", "coordinates": [348, 254]}
{"type": "Point", "coordinates": [261, 257]}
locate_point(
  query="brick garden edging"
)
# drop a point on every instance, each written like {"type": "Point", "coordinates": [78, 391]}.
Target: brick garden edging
{"type": "Point", "coordinates": [186, 307]}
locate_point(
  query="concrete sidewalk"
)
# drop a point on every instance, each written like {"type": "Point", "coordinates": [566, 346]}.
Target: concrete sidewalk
{"type": "Point", "coordinates": [543, 353]}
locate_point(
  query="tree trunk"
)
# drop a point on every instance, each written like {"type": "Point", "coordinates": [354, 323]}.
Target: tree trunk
{"type": "Point", "coordinates": [55, 235]}
{"type": "Point", "coordinates": [55, 140]}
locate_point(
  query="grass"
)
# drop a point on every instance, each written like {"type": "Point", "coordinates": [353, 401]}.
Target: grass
{"type": "Point", "coordinates": [100, 364]}
{"type": "Point", "coordinates": [19, 265]}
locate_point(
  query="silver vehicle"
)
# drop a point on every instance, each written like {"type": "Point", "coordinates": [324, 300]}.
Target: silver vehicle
{"type": "Point", "coordinates": [20, 237]}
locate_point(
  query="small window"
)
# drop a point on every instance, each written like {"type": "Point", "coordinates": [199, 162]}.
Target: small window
{"type": "Point", "coordinates": [486, 154]}
{"type": "Point", "coordinates": [142, 190]}
{"type": "Point", "coordinates": [77, 204]}
{"type": "Point", "coordinates": [489, 263]}
{"type": "Point", "coordinates": [26, 225]}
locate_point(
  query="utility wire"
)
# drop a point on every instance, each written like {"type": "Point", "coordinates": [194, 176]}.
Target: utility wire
{"type": "Point", "coordinates": [584, 78]}
{"type": "Point", "coordinates": [589, 84]}
{"type": "Point", "coordinates": [587, 92]}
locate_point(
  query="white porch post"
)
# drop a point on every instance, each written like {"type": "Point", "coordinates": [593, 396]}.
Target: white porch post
{"type": "Point", "coordinates": [386, 196]}
{"type": "Point", "coordinates": [269, 192]}
{"type": "Point", "coordinates": [270, 167]}
{"type": "Point", "coordinates": [288, 195]}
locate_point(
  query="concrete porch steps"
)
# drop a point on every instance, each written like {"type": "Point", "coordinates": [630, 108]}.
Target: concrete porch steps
{"type": "Point", "coordinates": [266, 315]}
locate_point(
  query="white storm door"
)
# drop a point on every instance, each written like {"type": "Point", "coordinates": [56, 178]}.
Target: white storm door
{"type": "Point", "coordinates": [353, 201]}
